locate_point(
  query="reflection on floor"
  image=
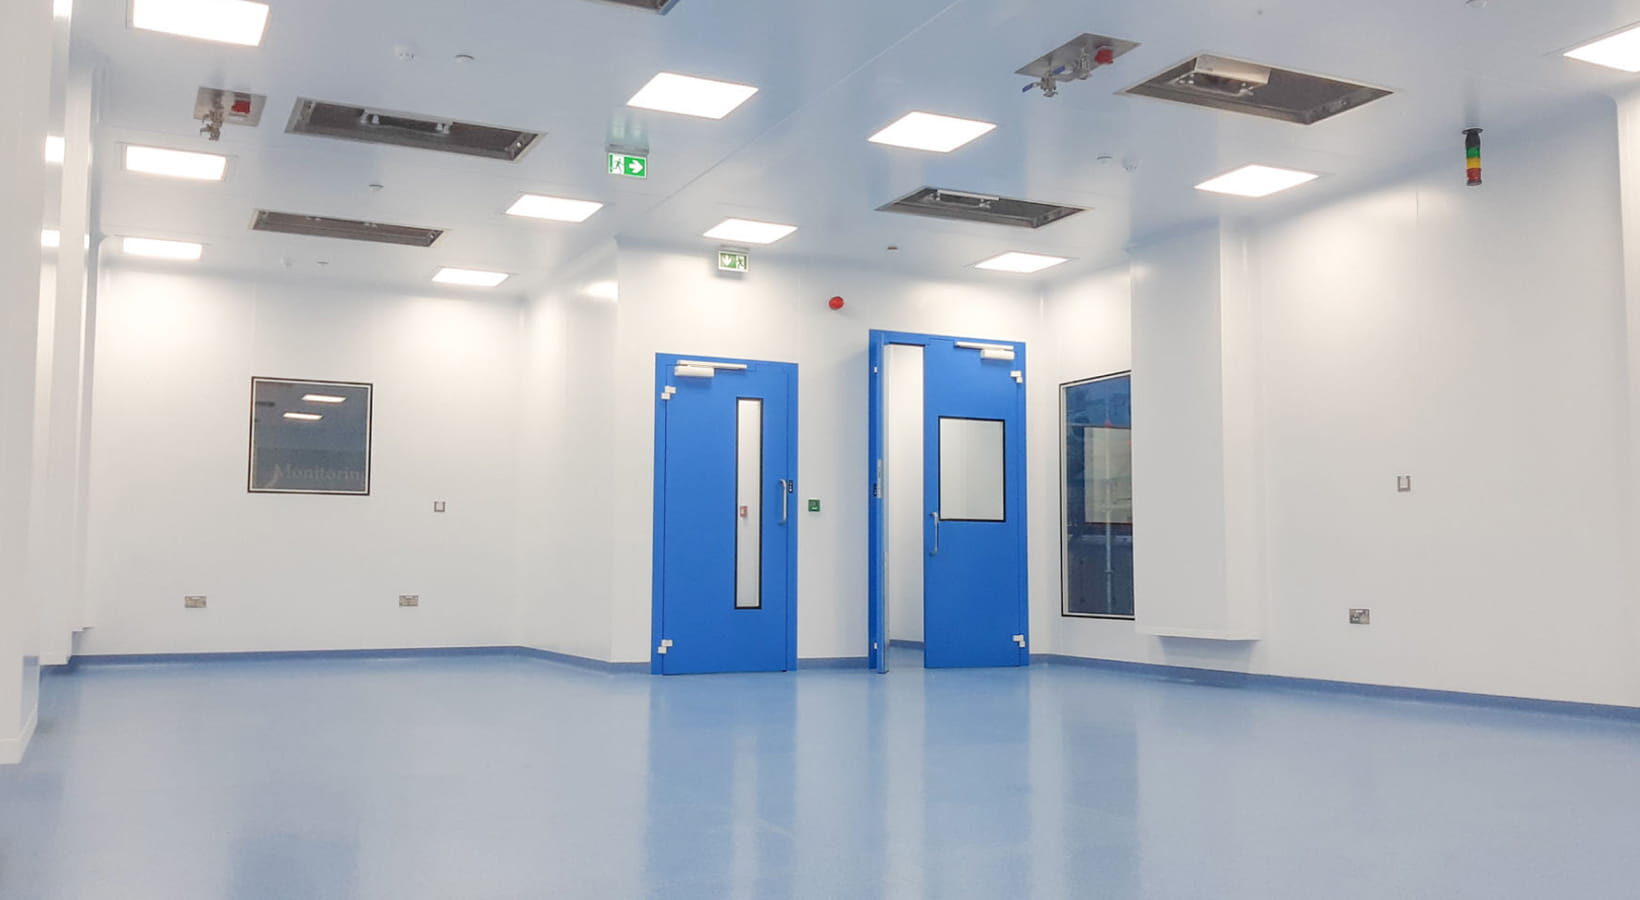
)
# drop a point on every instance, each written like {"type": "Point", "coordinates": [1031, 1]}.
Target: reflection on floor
{"type": "Point", "coordinates": [510, 777]}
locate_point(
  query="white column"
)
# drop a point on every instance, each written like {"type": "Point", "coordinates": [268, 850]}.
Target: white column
{"type": "Point", "coordinates": [1195, 438]}
{"type": "Point", "coordinates": [58, 550]}
{"type": "Point", "coordinates": [25, 68]}
{"type": "Point", "coordinates": [1628, 149]}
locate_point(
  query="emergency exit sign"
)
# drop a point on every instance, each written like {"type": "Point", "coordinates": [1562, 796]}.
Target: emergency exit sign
{"type": "Point", "coordinates": [630, 166]}
{"type": "Point", "coordinates": [733, 261]}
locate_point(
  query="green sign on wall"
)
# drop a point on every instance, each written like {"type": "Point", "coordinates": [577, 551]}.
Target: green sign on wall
{"type": "Point", "coordinates": [733, 261]}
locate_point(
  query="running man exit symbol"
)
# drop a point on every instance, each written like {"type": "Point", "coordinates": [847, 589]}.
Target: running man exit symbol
{"type": "Point", "coordinates": [630, 166]}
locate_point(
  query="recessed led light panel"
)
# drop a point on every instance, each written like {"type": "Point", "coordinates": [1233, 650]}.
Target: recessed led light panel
{"type": "Point", "coordinates": [690, 96]}
{"type": "Point", "coordinates": [927, 131]}
{"type": "Point", "coordinates": [470, 277]}
{"type": "Point", "coordinates": [1620, 51]}
{"type": "Point", "coordinates": [1020, 263]}
{"type": "Point", "coordinates": [226, 21]}
{"type": "Point", "coordinates": [556, 209]}
{"type": "Point", "coordinates": [175, 163]}
{"type": "Point", "coordinates": [746, 231]}
{"type": "Point", "coordinates": [1256, 181]}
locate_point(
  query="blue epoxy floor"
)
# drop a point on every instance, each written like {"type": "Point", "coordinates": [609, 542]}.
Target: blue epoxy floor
{"type": "Point", "coordinates": [509, 777]}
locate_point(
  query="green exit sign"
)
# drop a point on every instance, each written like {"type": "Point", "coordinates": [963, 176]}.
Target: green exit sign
{"type": "Point", "coordinates": [630, 166]}
{"type": "Point", "coordinates": [733, 261]}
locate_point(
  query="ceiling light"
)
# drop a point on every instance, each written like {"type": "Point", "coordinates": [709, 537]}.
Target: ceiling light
{"type": "Point", "coordinates": [748, 232]}
{"type": "Point", "coordinates": [1256, 181]}
{"type": "Point", "coordinates": [51, 238]}
{"type": "Point", "coordinates": [158, 249]}
{"type": "Point", "coordinates": [228, 21]}
{"type": "Point", "coordinates": [926, 131]}
{"type": "Point", "coordinates": [557, 209]}
{"type": "Point", "coordinates": [691, 96]}
{"type": "Point", "coordinates": [175, 163]}
{"type": "Point", "coordinates": [62, 9]}
{"type": "Point", "coordinates": [1620, 51]}
{"type": "Point", "coordinates": [55, 148]}
{"type": "Point", "coordinates": [1020, 263]}
{"type": "Point", "coordinates": [323, 398]}
{"type": "Point", "coordinates": [303, 417]}
{"type": "Point", "coordinates": [470, 277]}
{"type": "Point", "coordinates": [604, 290]}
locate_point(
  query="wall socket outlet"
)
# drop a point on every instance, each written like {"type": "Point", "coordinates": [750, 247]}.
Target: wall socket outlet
{"type": "Point", "coordinates": [438, 506]}
{"type": "Point", "coordinates": [193, 601]}
{"type": "Point", "coordinates": [1403, 484]}
{"type": "Point", "coordinates": [409, 599]}
{"type": "Point", "coordinates": [1360, 617]}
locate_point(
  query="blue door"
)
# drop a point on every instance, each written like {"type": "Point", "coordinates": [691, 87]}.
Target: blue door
{"type": "Point", "coordinates": [973, 498]}
{"type": "Point", "coordinates": [725, 525]}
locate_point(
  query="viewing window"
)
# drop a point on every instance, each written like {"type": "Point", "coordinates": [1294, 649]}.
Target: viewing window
{"type": "Point", "coordinates": [1097, 466]}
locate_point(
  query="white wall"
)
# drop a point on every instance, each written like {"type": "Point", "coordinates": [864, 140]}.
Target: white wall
{"type": "Point", "coordinates": [170, 514]}
{"type": "Point", "coordinates": [1475, 339]}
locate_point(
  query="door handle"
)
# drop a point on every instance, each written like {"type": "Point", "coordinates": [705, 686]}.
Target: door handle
{"type": "Point", "coordinates": [936, 517]}
{"type": "Point", "coordinates": [785, 500]}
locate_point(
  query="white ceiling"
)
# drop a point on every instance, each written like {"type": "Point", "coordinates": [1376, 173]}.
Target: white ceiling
{"type": "Point", "coordinates": [831, 73]}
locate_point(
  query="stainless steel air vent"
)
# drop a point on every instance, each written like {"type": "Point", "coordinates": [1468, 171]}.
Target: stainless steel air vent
{"type": "Point", "coordinates": [661, 6]}
{"type": "Point", "coordinates": [379, 126]}
{"type": "Point", "coordinates": [1238, 86]}
{"type": "Point", "coordinates": [940, 203]}
{"type": "Point", "coordinates": [345, 229]}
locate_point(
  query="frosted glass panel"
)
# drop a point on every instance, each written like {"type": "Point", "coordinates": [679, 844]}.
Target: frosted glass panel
{"type": "Point", "coordinates": [972, 478]}
{"type": "Point", "coordinates": [749, 504]}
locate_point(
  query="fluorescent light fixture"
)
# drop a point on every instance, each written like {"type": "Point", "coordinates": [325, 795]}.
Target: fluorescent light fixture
{"type": "Point", "coordinates": [227, 21]}
{"type": "Point", "coordinates": [557, 209]}
{"type": "Point", "coordinates": [745, 231]}
{"type": "Point", "coordinates": [175, 163]}
{"type": "Point", "coordinates": [1020, 263]}
{"type": "Point", "coordinates": [62, 9]}
{"type": "Point", "coordinates": [303, 417]}
{"type": "Point", "coordinates": [470, 277]}
{"type": "Point", "coordinates": [1620, 51]}
{"type": "Point", "coordinates": [604, 290]}
{"type": "Point", "coordinates": [184, 250]}
{"type": "Point", "coordinates": [323, 398]}
{"type": "Point", "coordinates": [927, 131]}
{"type": "Point", "coordinates": [51, 238]}
{"type": "Point", "coordinates": [55, 148]}
{"type": "Point", "coordinates": [1256, 181]}
{"type": "Point", "coordinates": [689, 96]}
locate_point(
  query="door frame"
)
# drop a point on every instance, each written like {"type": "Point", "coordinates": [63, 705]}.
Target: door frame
{"type": "Point", "coordinates": [664, 364]}
{"type": "Point", "coordinates": [877, 529]}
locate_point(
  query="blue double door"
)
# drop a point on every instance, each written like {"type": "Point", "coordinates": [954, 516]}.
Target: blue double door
{"type": "Point", "coordinates": [725, 537]}
{"type": "Point", "coordinates": [969, 542]}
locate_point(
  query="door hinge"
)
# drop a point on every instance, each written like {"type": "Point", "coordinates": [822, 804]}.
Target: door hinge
{"type": "Point", "coordinates": [877, 486]}
{"type": "Point", "coordinates": [1018, 376]}
{"type": "Point", "coordinates": [668, 392]}
{"type": "Point", "coordinates": [665, 646]}
{"type": "Point", "coordinates": [1019, 639]}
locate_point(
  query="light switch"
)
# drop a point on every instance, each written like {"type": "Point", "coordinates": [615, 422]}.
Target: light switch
{"type": "Point", "coordinates": [438, 506]}
{"type": "Point", "coordinates": [1403, 483]}
{"type": "Point", "coordinates": [409, 599]}
{"type": "Point", "coordinates": [814, 505]}
{"type": "Point", "coordinates": [193, 601]}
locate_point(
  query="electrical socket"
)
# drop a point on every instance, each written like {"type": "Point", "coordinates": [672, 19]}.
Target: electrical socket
{"type": "Point", "coordinates": [193, 601]}
{"type": "Point", "coordinates": [1403, 484]}
{"type": "Point", "coordinates": [1360, 617]}
{"type": "Point", "coordinates": [409, 599]}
